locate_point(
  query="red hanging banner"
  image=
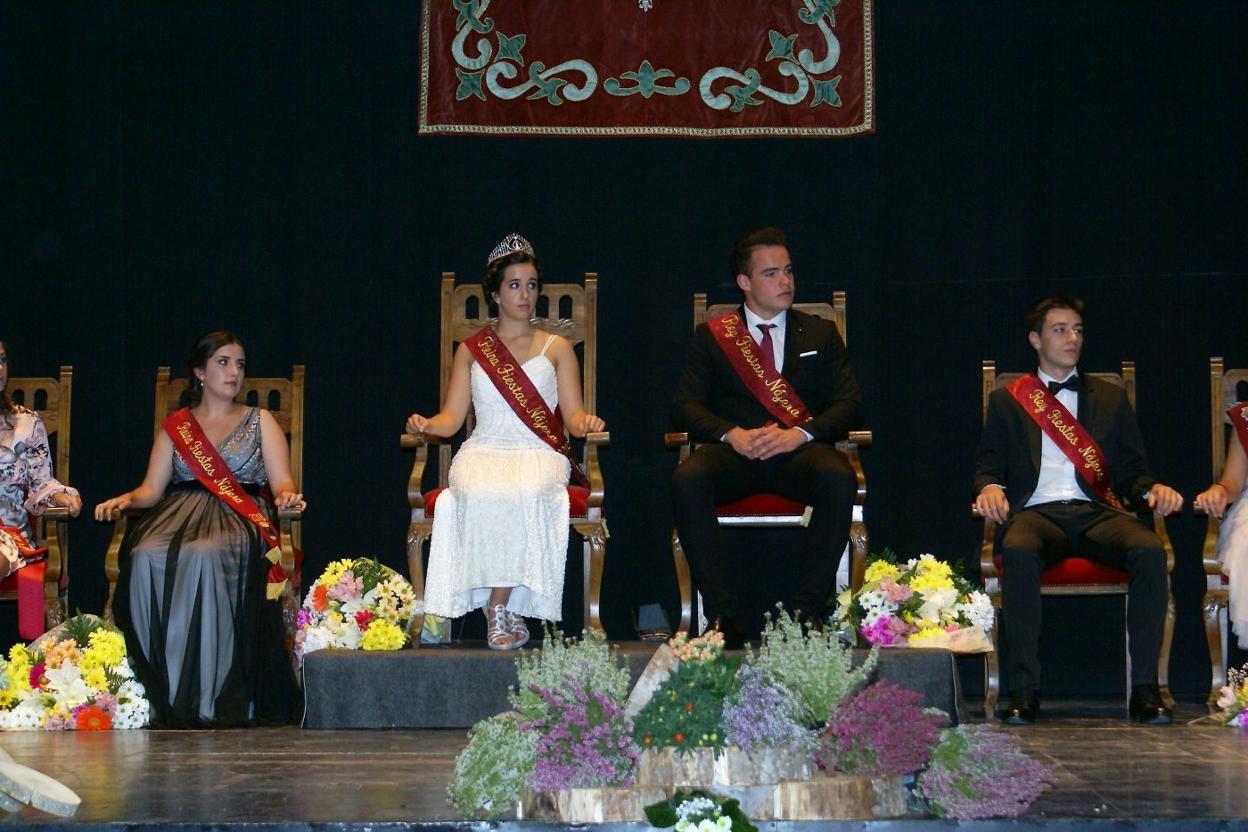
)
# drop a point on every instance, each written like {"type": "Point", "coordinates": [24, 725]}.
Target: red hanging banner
{"type": "Point", "coordinates": [647, 68]}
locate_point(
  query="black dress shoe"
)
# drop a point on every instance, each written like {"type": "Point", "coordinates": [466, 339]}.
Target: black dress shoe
{"type": "Point", "coordinates": [1147, 707]}
{"type": "Point", "coordinates": [1024, 708]}
{"type": "Point", "coordinates": [734, 636]}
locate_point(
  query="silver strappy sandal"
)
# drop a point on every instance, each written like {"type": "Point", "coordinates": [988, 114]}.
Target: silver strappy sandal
{"type": "Point", "coordinates": [498, 634]}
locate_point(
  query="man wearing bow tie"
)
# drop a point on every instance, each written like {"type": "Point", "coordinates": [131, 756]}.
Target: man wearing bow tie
{"type": "Point", "coordinates": [1026, 479]}
{"type": "Point", "coordinates": [767, 391]}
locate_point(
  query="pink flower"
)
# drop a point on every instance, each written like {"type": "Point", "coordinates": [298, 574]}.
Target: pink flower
{"type": "Point", "coordinates": [895, 593]}
{"type": "Point", "coordinates": [36, 673]}
{"type": "Point", "coordinates": [362, 619]}
{"type": "Point", "coordinates": [1226, 696]}
{"type": "Point", "coordinates": [348, 588]}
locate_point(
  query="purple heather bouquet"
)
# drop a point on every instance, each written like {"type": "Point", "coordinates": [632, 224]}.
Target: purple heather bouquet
{"type": "Point", "coordinates": [978, 771]}
{"type": "Point", "coordinates": [586, 740]}
{"type": "Point", "coordinates": [762, 712]}
{"type": "Point", "coordinates": [881, 731]}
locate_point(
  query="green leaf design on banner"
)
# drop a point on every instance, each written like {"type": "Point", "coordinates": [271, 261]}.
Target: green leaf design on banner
{"type": "Point", "coordinates": [817, 9]}
{"type": "Point", "coordinates": [469, 85]}
{"type": "Point", "coordinates": [470, 15]}
{"type": "Point", "coordinates": [781, 47]}
{"type": "Point", "coordinates": [825, 92]}
{"type": "Point", "coordinates": [646, 80]}
{"type": "Point", "coordinates": [547, 88]}
{"type": "Point", "coordinates": [509, 48]}
{"type": "Point", "coordinates": [741, 96]}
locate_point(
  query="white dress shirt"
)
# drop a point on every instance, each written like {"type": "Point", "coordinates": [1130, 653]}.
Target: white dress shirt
{"type": "Point", "coordinates": [1057, 473]}
{"type": "Point", "coordinates": [777, 334]}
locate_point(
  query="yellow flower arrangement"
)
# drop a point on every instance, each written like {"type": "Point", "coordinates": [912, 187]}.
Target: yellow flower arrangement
{"type": "Point", "coordinates": [18, 673]}
{"type": "Point", "coordinates": [881, 569]}
{"type": "Point", "coordinates": [334, 571]}
{"type": "Point", "coordinates": [927, 631]}
{"type": "Point", "coordinates": [107, 648]}
{"type": "Point", "coordinates": [95, 677]}
{"type": "Point", "coordinates": [382, 635]}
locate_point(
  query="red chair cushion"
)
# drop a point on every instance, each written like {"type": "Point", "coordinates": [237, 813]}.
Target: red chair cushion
{"type": "Point", "coordinates": [578, 501]}
{"type": "Point", "coordinates": [1072, 571]}
{"type": "Point", "coordinates": [761, 505]}
{"type": "Point", "coordinates": [27, 583]}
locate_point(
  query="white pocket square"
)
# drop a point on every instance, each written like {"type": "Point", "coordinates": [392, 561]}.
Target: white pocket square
{"type": "Point", "coordinates": [805, 354]}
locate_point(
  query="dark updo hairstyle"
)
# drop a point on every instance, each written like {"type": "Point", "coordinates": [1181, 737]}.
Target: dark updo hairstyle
{"type": "Point", "coordinates": [492, 280]}
{"type": "Point", "coordinates": [201, 352]}
{"type": "Point", "coordinates": [6, 404]}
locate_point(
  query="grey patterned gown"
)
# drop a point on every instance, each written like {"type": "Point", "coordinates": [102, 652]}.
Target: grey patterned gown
{"type": "Point", "coordinates": [190, 600]}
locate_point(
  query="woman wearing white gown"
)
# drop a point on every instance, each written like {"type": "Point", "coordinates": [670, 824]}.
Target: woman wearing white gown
{"type": "Point", "coordinates": [500, 531]}
{"type": "Point", "coordinates": [1233, 536]}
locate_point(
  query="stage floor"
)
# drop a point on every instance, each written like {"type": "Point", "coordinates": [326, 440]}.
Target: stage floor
{"type": "Point", "coordinates": [1111, 773]}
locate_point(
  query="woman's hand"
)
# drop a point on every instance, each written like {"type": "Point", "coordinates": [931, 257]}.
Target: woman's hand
{"type": "Point", "coordinates": [70, 501]}
{"type": "Point", "coordinates": [290, 499]}
{"type": "Point", "coordinates": [587, 423]}
{"type": "Point", "coordinates": [1212, 501]}
{"type": "Point", "coordinates": [416, 423]}
{"type": "Point", "coordinates": [104, 511]}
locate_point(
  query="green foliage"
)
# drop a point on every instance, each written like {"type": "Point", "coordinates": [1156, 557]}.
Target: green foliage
{"type": "Point", "coordinates": [80, 628]}
{"type": "Point", "coordinates": [491, 770]}
{"type": "Point", "coordinates": [589, 661]}
{"type": "Point", "coordinates": [687, 710]}
{"type": "Point", "coordinates": [815, 666]}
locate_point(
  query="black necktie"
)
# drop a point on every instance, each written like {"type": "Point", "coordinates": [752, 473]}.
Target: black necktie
{"type": "Point", "coordinates": [1071, 383]}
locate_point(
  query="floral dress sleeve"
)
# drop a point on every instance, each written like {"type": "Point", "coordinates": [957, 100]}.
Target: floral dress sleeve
{"type": "Point", "coordinates": [32, 449]}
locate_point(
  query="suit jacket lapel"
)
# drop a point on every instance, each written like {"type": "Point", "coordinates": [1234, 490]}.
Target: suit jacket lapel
{"type": "Point", "coordinates": [793, 338]}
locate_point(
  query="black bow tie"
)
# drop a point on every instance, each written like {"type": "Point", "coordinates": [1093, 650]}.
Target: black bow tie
{"type": "Point", "coordinates": [1071, 383]}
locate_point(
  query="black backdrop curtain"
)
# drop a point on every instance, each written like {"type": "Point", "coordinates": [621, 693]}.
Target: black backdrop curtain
{"type": "Point", "coordinates": [173, 168]}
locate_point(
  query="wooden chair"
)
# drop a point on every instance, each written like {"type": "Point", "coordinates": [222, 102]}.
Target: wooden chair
{"type": "Point", "coordinates": [283, 397]}
{"type": "Point", "coordinates": [51, 398]}
{"type": "Point", "coordinates": [566, 309]}
{"type": "Point", "coordinates": [773, 510]}
{"type": "Point", "coordinates": [1073, 575]}
{"type": "Point", "coordinates": [1223, 392]}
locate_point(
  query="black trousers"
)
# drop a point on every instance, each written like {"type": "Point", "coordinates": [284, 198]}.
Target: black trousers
{"type": "Point", "coordinates": [815, 474]}
{"type": "Point", "coordinates": [1038, 536]}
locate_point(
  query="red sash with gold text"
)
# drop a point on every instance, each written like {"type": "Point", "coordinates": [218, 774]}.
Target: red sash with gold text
{"type": "Point", "coordinates": [1064, 429]}
{"type": "Point", "coordinates": [773, 392]}
{"type": "Point", "coordinates": [518, 390]}
{"type": "Point", "coordinates": [1239, 418]}
{"type": "Point", "coordinates": [190, 443]}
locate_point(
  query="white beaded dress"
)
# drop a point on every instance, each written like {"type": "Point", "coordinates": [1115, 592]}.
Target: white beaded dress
{"type": "Point", "coordinates": [1233, 552]}
{"type": "Point", "coordinates": [503, 520]}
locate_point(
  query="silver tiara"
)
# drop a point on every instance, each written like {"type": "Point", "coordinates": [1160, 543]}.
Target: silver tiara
{"type": "Point", "coordinates": [510, 244]}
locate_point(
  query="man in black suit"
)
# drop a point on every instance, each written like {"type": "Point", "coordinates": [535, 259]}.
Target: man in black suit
{"type": "Point", "coordinates": [1049, 509]}
{"type": "Point", "coordinates": [750, 447]}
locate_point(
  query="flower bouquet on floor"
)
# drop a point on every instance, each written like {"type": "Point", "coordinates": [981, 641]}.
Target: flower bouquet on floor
{"type": "Point", "coordinates": [1233, 699]}
{"type": "Point", "coordinates": [356, 603]}
{"type": "Point", "coordinates": [74, 677]}
{"type": "Point", "coordinates": [918, 603]}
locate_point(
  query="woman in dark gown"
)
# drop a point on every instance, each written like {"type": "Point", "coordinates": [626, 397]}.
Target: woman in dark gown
{"type": "Point", "coordinates": [191, 596]}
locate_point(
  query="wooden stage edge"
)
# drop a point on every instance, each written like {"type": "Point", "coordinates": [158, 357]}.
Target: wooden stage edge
{"type": "Point", "coordinates": [1110, 775]}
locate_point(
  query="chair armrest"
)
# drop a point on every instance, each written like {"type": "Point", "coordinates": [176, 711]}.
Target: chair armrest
{"type": "Point", "coordinates": [987, 547]}
{"type": "Point", "coordinates": [861, 438]}
{"type": "Point", "coordinates": [419, 442]}
{"type": "Point", "coordinates": [57, 514]}
{"type": "Point", "coordinates": [1159, 527]}
{"type": "Point", "coordinates": [294, 514]}
{"type": "Point", "coordinates": [411, 441]}
{"type": "Point", "coordinates": [671, 441]}
{"type": "Point", "coordinates": [1209, 551]}
{"type": "Point", "coordinates": [598, 438]}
